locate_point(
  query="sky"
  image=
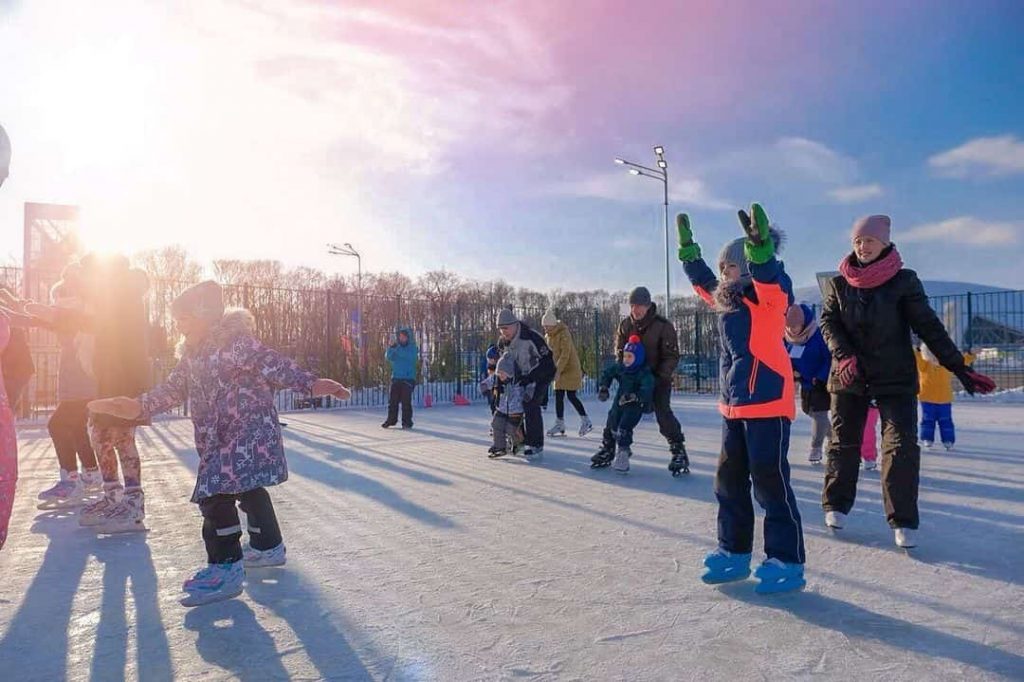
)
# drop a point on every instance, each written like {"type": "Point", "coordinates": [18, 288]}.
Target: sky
{"type": "Point", "coordinates": [479, 137]}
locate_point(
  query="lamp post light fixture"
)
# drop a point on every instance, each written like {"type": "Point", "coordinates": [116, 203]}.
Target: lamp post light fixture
{"type": "Point", "coordinates": [347, 249]}
{"type": "Point", "coordinates": [660, 174]}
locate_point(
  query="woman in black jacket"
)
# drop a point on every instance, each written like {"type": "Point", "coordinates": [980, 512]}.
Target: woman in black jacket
{"type": "Point", "coordinates": [869, 312]}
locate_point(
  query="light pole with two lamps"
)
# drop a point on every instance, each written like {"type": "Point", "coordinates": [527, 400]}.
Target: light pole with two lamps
{"type": "Point", "coordinates": [661, 174]}
{"type": "Point", "coordinates": [347, 249]}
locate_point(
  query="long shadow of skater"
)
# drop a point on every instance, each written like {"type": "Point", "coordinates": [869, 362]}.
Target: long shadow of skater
{"type": "Point", "coordinates": [240, 645]}
{"type": "Point", "coordinates": [127, 559]}
{"type": "Point", "coordinates": [350, 482]}
{"type": "Point", "coordinates": [854, 621]}
{"type": "Point", "coordinates": [43, 619]}
{"type": "Point", "coordinates": [336, 453]}
{"type": "Point", "coordinates": [289, 596]}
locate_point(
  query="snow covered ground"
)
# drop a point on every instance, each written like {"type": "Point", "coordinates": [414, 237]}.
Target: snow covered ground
{"type": "Point", "coordinates": [413, 557]}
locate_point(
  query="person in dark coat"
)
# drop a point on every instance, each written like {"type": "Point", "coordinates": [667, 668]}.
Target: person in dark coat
{"type": "Point", "coordinates": [870, 311]}
{"type": "Point", "coordinates": [661, 346]}
{"type": "Point", "coordinates": [534, 365]}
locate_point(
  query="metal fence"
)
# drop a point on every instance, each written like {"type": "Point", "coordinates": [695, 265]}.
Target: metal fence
{"type": "Point", "coordinates": [322, 330]}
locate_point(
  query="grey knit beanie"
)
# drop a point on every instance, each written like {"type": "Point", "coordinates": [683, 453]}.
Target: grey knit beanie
{"type": "Point", "coordinates": [732, 252]}
{"type": "Point", "coordinates": [204, 301]}
{"type": "Point", "coordinates": [506, 318]}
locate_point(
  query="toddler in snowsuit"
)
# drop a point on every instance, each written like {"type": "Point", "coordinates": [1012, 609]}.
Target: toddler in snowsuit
{"type": "Point", "coordinates": [757, 403]}
{"type": "Point", "coordinates": [634, 394]}
{"type": "Point", "coordinates": [936, 398]}
{"type": "Point", "coordinates": [508, 396]}
{"type": "Point", "coordinates": [229, 379]}
{"type": "Point", "coordinates": [811, 362]}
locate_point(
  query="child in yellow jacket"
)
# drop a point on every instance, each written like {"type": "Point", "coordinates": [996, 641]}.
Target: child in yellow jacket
{"type": "Point", "coordinates": [936, 398]}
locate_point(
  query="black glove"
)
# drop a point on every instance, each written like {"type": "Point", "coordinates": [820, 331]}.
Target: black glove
{"type": "Point", "coordinates": [524, 380]}
{"type": "Point", "coordinates": [628, 399]}
{"type": "Point", "coordinates": [648, 407]}
{"type": "Point", "coordinates": [602, 393]}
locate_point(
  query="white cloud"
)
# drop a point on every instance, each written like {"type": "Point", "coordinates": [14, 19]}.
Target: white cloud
{"type": "Point", "coordinates": [983, 156]}
{"type": "Point", "coordinates": [790, 159]}
{"type": "Point", "coordinates": [621, 186]}
{"type": "Point", "coordinates": [853, 194]}
{"type": "Point", "coordinates": [966, 230]}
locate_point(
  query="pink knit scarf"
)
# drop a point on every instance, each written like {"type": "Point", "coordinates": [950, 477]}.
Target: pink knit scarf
{"type": "Point", "coordinates": [873, 274]}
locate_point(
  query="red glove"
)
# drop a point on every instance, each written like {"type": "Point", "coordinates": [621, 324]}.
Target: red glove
{"type": "Point", "coordinates": [847, 371]}
{"type": "Point", "coordinates": [975, 382]}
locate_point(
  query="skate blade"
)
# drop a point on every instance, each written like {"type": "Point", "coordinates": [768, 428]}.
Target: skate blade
{"type": "Point", "coordinates": [273, 564]}
{"type": "Point", "coordinates": [778, 586]}
{"type": "Point", "coordinates": [121, 530]}
{"type": "Point", "coordinates": [710, 578]}
{"type": "Point", "coordinates": [194, 599]}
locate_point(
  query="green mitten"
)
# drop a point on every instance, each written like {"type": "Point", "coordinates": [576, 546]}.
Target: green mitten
{"type": "Point", "coordinates": [759, 246]}
{"type": "Point", "coordinates": [689, 250]}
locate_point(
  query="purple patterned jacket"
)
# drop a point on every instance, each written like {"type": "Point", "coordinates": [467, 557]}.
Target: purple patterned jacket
{"type": "Point", "coordinates": [230, 379]}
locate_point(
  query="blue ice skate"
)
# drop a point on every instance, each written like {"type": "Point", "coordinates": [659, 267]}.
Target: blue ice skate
{"type": "Point", "coordinates": [725, 567]}
{"type": "Point", "coordinates": [776, 576]}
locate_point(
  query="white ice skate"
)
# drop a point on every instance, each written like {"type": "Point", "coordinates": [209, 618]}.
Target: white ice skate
{"type": "Point", "coordinates": [214, 582]}
{"type": "Point", "coordinates": [621, 461]}
{"type": "Point", "coordinates": [835, 520]}
{"type": "Point", "coordinates": [927, 444]}
{"type": "Point", "coordinates": [275, 556]}
{"type": "Point", "coordinates": [66, 494]}
{"type": "Point", "coordinates": [558, 429]}
{"type": "Point", "coordinates": [869, 465]}
{"type": "Point", "coordinates": [127, 516]}
{"type": "Point", "coordinates": [586, 426]}
{"type": "Point", "coordinates": [948, 446]}
{"type": "Point", "coordinates": [814, 456]}
{"type": "Point", "coordinates": [906, 538]}
{"type": "Point", "coordinates": [94, 514]}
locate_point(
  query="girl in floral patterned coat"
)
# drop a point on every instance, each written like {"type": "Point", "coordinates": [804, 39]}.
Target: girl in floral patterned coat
{"type": "Point", "coordinates": [229, 379]}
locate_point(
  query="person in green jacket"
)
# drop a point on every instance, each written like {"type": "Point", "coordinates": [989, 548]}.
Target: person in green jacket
{"type": "Point", "coordinates": [634, 394]}
{"type": "Point", "coordinates": [403, 356]}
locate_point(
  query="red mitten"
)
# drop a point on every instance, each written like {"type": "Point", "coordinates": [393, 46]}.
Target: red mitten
{"type": "Point", "coordinates": [847, 371]}
{"type": "Point", "coordinates": [975, 382]}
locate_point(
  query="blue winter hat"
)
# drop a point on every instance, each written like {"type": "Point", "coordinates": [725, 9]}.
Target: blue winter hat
{"type": "Point", "coordinates": [636, 347]}
{"type": "Point", "coordinates": [492, 353]}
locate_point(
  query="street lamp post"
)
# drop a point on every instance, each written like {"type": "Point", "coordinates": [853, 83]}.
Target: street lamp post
{"type": "Point", "coordinates": [347, 249]}
{"type": "Point", "coordinates": [660, 174]}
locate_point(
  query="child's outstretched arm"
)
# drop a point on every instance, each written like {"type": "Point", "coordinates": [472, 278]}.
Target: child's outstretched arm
{"type": "Point", "coordinates": [701, 276]}
{"type": "Point", "coordinates": [283, 372]}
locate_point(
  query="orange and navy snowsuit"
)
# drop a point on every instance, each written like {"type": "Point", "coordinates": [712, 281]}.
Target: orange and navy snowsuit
{"type": "Point", "coordinates": [758, 405]}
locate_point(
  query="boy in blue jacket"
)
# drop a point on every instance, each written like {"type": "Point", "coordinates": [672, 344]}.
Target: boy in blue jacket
{"type": "Point", "coordinates": [811, 360]}
{"type": "Point", "coordinates": [634, 394]}
{"type": "Point", "coordinates": [403, 356]}
{"type": "Point", "coordinates": [751, 295]}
